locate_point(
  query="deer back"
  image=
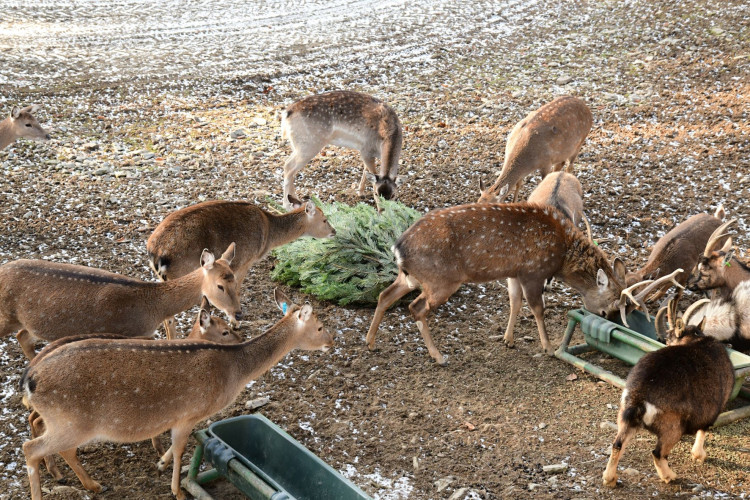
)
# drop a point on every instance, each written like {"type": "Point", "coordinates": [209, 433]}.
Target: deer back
{"type": "Point", "coordinates": [562, 191]}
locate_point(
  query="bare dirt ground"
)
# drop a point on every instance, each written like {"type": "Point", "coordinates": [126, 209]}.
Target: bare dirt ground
{"type": "Point", "coordinates": [144, 100]}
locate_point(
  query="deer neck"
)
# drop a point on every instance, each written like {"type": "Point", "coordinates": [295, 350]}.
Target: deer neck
{"type": "Point", "coordinates": [261, 353]}
{"type": "Point", "coordinates": [174, 296]}
{"type": "Point", "coordinates": [581, 263]}
{"type": "Point", "coordinates": [6, 133]}
{"type": "Point", "coordinates": [285, 228]}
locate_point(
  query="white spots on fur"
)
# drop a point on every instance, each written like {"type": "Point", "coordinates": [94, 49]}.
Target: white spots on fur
{"type": "Point", "coordinates": [651, 412]}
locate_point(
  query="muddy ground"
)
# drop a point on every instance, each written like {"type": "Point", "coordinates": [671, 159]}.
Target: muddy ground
{"type": "Point", "coordinates": [667, 84]}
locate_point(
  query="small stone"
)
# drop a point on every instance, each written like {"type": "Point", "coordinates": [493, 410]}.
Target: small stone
{"type": "Point", "coordinates": [100, 171]}
{"type": "Point", "coordinates": [532, 486]}
{"type": "Point", "coordinates": [716, 31]}
{"type": "Point", "coordinates": [528, 338]}
{"type": "Point", "coordinates": [259, 120]}
{"type": "Point", "coordinates": [631, 472]}
{"type": "Point", "coordinates": [238, 134]}
{"type": "Point", "coordinates": [459, 494]}
{"type": "Point", "coordinates": [443, 483]}
{"type": "Point", "coordinates": [148, 156]}
{"type": "Point", "coordinates": [555, 468]}
{"type": "Point", "coordinates": [542, 425]}
{"type": "Point", "coordinates": [415, 463]}
{"type": "Point", "coordinates": [611, 406]}
{"type": "Point", "coordinates": [90, 146]}
{"type": "Point", "coordinates": [258, 402]}
{"type": "Point", "coordinates": [413, 415]}
{"type": "Point", "coordinates": [516, 94]}
{"type": "Point", "coordinates": [564, 80]}
{"type": "Point", "coordinates": [606, 425]}
{"type": "Point", "coordinates": [698, 488]}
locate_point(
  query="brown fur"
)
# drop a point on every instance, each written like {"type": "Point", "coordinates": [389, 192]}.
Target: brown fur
{"type": "Point", "coordinates": [484, 242]}
{"type": "Point", "coordinates": [21, 123]}
{"type": "Point", "coordinates": [545, 140]}
{"type": "Point", "coordinates": [721, 271]}
{"type": "Point", "coordinates": [126, 391]}
{"type": "Point", "coordinates": [348, 119]}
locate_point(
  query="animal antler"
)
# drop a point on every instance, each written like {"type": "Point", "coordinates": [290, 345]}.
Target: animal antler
{"type": "Point", "coordinates": [716, 236]}
{"type": "Point", "coordinates": [638, 299]}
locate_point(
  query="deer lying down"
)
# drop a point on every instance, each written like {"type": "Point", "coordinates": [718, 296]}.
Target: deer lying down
{"type": "Point", "coordinates": [123, 398]}
{"type": "Point", "coordinates": [681, 247]}
{"type": "Point", "coordinates": [48, 300]}
{"type": "Point", "coordinates": [484, 242]}
{"type": "Point", "coordinates": [21, 124]}
{"type": "Point", "coordinates": [346, 119]}
{"type": "Point", "coordinates": [720, 269]}
{"type": "Point", "coordinates": [674, 391]}
{"type": "Point", "coordinates": [545, 140]}
{"type": "Point", "coordinates": [206, 327]}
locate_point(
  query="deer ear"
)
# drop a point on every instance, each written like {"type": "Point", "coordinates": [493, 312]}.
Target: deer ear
{"type": "Point", "coordinates": [15, 112]}
{"type": "Point", "coordinates": [205, 304]}
{"type": "Point", "coordinates": [310, 208]}
{"type": "Point", "coordinates": [720, 212]}
{"type": "Point", "coordinates": [601, 279]}
{"type": "Point", "coordinates": [33, 108]}
{"type": "Point", "coordinates": [503, 191]}
{"type": "Point", "coordinates": [207, 259]}
{"type": "Point", "coordinates": [228, 254]}
{"type": "Point", "coordinates": [282, 301]}
{"type": "Point", "coordinates": [294, 201]}
{"type": "Point", "coordinates": [205, 320]}
{"type": "Point", "coordinates": [305, 312]}
{"type": "Point", "coordinates": [618, 266]}
{"type": "Point", "coordinates": [481, 186]}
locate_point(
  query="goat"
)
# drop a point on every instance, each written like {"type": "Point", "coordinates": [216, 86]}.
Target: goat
{"type": "Point", "coordinates": [727, 320]}
{"type": "Point", "coordinates": [206, 327]}
{"type": "Point", "coordinates": [681, 247]}
{"type": "Point", "coordinates": [115, 389]}
{"type": "Point", "coordinates": [720, 269]}
{"type": "Point", "coordinates": [36, 298]}
{"type": "Point", "coordinates": [677, 390]}
{"type": "Point", "coordinates": [484, 242]}
{"type": "Point", "coordinates": [347, 119]}
{"type": "Point", "coordinates": [545, 140]}
{"type": "Point", "coordinates": [21, 123]}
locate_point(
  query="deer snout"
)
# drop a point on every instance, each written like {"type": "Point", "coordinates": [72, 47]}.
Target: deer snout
{"type": "Point", "coordinates": [238, 316]}
{"type": "Point", "coordinates": [332, 233]}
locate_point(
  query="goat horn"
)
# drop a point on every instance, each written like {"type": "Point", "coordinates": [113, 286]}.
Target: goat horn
{"type": "Point", "coordinates": [638, 299]}
{"type": "Point", "coordinates": [716, 236]}
{"type": "Point", "coordinates": [692, 309]}
{"type": "Point", "coordinates": [659, 320]}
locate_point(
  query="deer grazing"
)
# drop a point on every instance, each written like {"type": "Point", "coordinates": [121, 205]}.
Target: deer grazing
{"type": "Point", "coordinates": [677, 390]}
{"type": "Point", "coordinates": [679, 248]}
{"type": "Point", "coordinates": [123, 399]}
{"type": "Point", "coordinates": [214, 224]}
{"type": "Point", "coordinates": [564, 192]}
{"type": "Point", "coordinates": [206, 327]}
{"type": "Point", "coordinates": [545, 140]}
{"type": "Point", "coordinates": [21, 123]}
{"type": "Point", "coordinates": [719, 269]}
{"type": "Point", "coordinates": [346, 119]}
{"type": "Point", "coordinates": [484, 242]}
{"type": "Point", "coordinates": [48, 300]}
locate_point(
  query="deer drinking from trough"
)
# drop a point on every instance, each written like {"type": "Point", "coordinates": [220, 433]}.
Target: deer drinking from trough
{"type": "Point", "coordinates": [124, 399]}
{"type": "Point", "coordinates": [677, 390]}
{"type": "Point", "coordinates": [545, 140]}
{"type": "Point", "coordinates": [347, 119]}
{"type": "Point", "coordinates": [21, 123]}
{"type": "Point", "coordinates": [215, 224]}
{"type": "Point", "coordinates": [48, 300]}
{"type": "Point", "coordinates": [484, 242]}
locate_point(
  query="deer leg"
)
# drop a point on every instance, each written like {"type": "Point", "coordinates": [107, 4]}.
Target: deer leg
{"type": "Point", "coordinates": [27, 343]}
{"type": "Point", "coordinates": [180, 437]}
{"type": "Point", "coordinates": [369, 162]}
{"type": "Point", "coordinates": [47, 444]}
{"type": "Point", "coordinates": [36, 423]}
{"type": "Point", "coordinates": [535, 299]}
{"type": "Point", "coordinates": [624, 433]}
{"type": "Point", "coordinates": [71, 458]}
{"type": "Point", "coordinates": [164, 460]}
{"type": "Point", "coordinates": [699, 452]}
{"type": "Point", "coordinates": [387, 298]}
{"type": "Point", "coordinates": [422, 305]}
{"type": "Point", "coordinates": [157, 444]}
{"type": "Point", "coordinates": [294, 164]}
{"type": "Point", "coordinates": [514, 295]}
{"type": "Point", "coordinates": [668, 436]}
{"type": "Point", "coordinates": [515, 191]}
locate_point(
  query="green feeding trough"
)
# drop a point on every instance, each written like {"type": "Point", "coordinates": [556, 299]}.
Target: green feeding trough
{"type": "Point", "coordinates": [264, 462]}
{"type": "Point", "coordinates": [629, 344]}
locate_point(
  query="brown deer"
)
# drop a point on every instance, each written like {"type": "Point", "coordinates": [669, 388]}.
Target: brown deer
{"type": "Point", "coordinates": [681, 247]}
{"type": "Point", "coordinates": [214, 224]}
{"type": "Point", "coordinates": [21, 123]}
{"type": "Point", "coordinates": [47, 300]}
{"type": "Point", "coordinates": [484, 242]}
{"type": "Point", "coordinates": [564, 192]}
{"type": "Point", "coordinates": [545, 140]}
{"type": "Point", "coordinates": [673, 391]}
{"type": "Point", "coordinates": [206, 327]}
{"type": "Point", "coordinates": [347, 119]}
{"type": "Point", "coordinates": [123, 396]}
{"type": "Point", "coordinates": [719, 269]}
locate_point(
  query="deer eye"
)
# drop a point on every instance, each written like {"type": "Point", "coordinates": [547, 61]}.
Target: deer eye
{"type": "Point", "coordinates": [28, 124]}
{"type": "Point", "coordinates": [225, 333]}
{"type": "Point", "coordinates": [221, 287]}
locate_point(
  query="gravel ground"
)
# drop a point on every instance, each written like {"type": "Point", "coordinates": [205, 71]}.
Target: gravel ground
{"type": "Point", "coordinates": [158, 106]}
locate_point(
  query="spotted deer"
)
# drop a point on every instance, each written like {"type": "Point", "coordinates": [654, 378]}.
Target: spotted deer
{"type": "Point", "coordinates": [564, 192]}
{"type": "Point", "coordinates": [545, 140]}
{"type": "Point", "coordinates": [719, 269]}
{"type": "Point", "coordinates": [681, 248]}
{"type": "Point", "coordinates": [677, 390]}
{"type": "Point", "coordinates": [125, 390]}
{"type": "Point", "coordinates": [48, 300]}
{"type": "Point", "coordinates": [484, 242]}
{"type": "Point", "coordinates": [21, 123]}
{"type": "Point", "coordinates": [206, 327]}
{"type": "Point", "coordinates": [214, 224]}
{"type": "Point", "coordinates": [347, 119]}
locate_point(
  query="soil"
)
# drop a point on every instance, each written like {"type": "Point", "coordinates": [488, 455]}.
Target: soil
{"type": "Point", "coordinates": [667, 83]}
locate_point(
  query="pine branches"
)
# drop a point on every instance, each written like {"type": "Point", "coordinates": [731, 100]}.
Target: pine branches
{"type": "Point", "coordinates": [355, 265]}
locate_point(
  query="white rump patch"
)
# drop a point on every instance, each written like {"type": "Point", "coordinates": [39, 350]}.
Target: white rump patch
{"type": "Point", "coordinates": [720, 320]}
{"type": "Point", "coordinates": [651, 412]}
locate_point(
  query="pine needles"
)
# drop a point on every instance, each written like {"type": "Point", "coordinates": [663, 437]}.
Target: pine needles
{"type": "Point", "coordinates": [354, 266]}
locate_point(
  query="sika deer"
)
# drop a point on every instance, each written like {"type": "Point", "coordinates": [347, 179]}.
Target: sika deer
{"type": "Point", "coordinates": [719, 269]}
{"type": "Point", "coordinates": [485, 242]}
{"type": "Point", "coordinates": [674, 391]}
{"type": "Point", "coordinates": [564, 192]}
{"type": "Point", "coordinates": [679, 248]}
{"type": "Point", "coordinates": [36, 298]}
{"type": "Point", "coordinates": [122, 397]}
{"type": "Point", "coordinates": [545, 140]}
{"type": "Point", "coordinates": [346, 119]}
{"type": "Point", "coordinates": [21, 123]}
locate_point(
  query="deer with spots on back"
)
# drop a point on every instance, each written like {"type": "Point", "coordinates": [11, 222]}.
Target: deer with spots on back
{"type": "Point", "coordinates": [485, 242]}
{"type": "Point", "coordinates": [125, 390]}
{"type": "Point", "coordinates": [347, 119]}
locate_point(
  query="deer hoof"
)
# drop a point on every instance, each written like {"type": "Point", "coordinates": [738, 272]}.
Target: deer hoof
{"type": "Point", "coordinates": [441, 360]}
{"type": "Point", "coordinates": [609, 481]}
